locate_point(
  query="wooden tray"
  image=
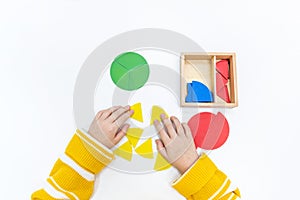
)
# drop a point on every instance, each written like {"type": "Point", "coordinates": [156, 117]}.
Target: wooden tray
{"type": "Point", "coordinates": [202, 67]}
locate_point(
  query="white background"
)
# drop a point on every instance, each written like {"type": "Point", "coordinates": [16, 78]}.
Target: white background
{"type": "Point", "coordinates": [44, 43]}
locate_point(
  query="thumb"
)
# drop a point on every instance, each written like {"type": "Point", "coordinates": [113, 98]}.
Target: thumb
{"type": "Point", "coordinates": [122, 132]}
{"type": "Point", "coordinates": [161, 149]}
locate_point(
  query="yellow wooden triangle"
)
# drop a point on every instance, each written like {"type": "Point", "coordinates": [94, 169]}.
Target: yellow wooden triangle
{"type": "Point", "coordinates": [161, 163]}
{"type": "Point", "coordinates": [145, 149]}
{"type": "Point", "coordinates": [124, 151]}
{"type": "Point", "coordinates": [138, 114]}
{"type": "Point", "coordinates": [133, 135]}
{"type": "Point", "coordinates": [156, 112]}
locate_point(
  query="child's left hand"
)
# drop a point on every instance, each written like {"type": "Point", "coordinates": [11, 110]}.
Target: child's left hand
{"type": "Point", "coordinates": [108, 127]}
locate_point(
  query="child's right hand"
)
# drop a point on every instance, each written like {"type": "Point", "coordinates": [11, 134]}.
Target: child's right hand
{"type": "Point", "coordinates": [176, 143]}
{"type": "Point", "coordinates": [108, 127]}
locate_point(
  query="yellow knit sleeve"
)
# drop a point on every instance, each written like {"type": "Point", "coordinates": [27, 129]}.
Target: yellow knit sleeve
{"type": "Point", "coordinates": [73, 174]}
{"type": "Point", "coordinates": [205, 181]}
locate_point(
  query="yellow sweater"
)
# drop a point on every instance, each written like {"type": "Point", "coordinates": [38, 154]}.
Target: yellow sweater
{"type": "Point", "coordinates": [73, 174]}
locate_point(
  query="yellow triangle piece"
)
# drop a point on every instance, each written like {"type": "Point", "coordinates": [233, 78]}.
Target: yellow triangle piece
{"type": "Point", "coordinates": [145, 149]}
{"type": "Point", "coordinates": [156, 112]}
{"type": "Point", "coordinates": [124, 151]}
{"type": "Point", "coordinates": [133, 135]}
{"type": "Point", "coordinates": [161, 163]}
{"type": "Point", "coordinates": [137, 115]}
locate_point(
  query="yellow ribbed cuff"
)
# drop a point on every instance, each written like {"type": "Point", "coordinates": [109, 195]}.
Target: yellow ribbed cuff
{"type": "Point", "coordinates": [88, 153]}
{"type": "Point", "coordinates": [41, 194]}
{"type": "Point", "coordinates": [196, 177]}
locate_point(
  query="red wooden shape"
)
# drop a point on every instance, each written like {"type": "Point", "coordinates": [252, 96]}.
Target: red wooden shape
{"type": "Point", "coordinates": [224, 94]}
{"type": "Point", "coordinates": [209, 131]}
{"type": "Point", "coordinates": [217, 133]}
{"type": "Point", "coordinates": [223, 68]}
{"type": "Point", "coordinates": [221, 81]}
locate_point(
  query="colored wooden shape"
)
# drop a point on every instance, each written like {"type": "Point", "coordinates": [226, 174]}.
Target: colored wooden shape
{"type": "Point", "coordinates": [161, 163]}
{"type": "Point", "coordinates": [220, 81]}
{"type": "Point", "coordinates": [190, 93]}
{"type": "Point", "coordinates": [145, 150]}
{"type": "Point", "coordinates": [134, 135]}
{"type": "Point", "coordinates": [224, 94]}
{"type": "Point", "coordinates": [217, 133]}
{"type": "Point", "coordinates": [223, 68]}
{"type": "Point", "coordinates": [202, 93]}
{"type": "Point", "coordinates": [210, 131]}
{"type": "Point", "coordinates": [138, 114]}
{"type": "Point", "coordinates": [129, 71]}
{"type": "Point", "coordinates": [199, 125]}
{"type": "Point", "coordinates": [156, 112]}
{"type": "Point", "coordinates": [124, 151]}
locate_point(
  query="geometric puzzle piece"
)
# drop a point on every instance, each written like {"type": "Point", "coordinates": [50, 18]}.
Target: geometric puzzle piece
{"type": "Point", "coordinates": [137, 115]}
{"type": "Point", "coordinates": [129, 71]}
{"type": "Point", "coordinates": [161, 163]}
{"type": "Point", "coordinates": [201, 91]}
{"type": "Point", "coordinates": [199, 125]}
{"type": "Point", "coordinates": [156, 112]}
{"type": "Point", "coordinates": [145, 149]}
{"type": "Point", "coordinates": [210, 131]}
{"type": "Point", "coordinates": [133, 135]}
{"type": "Point", "coordinates": [124, 151]}
{"type": "Point", "coordinates": [223, 68]}
{"type": "Point", "coordinates": [224, 94]}
{"type": "Point", "coordinates": [217, 133]}
{"type": "Point", "coordinates": [220, 81]}
{"type": "Point", "coordinates": [190, 93]}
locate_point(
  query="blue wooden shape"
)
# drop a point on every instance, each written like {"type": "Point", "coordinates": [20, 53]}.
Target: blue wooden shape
{"type": "Point", "coordinates": [190, 93]}
{"type": "Point", "coordinates": [198, 92]}
{"type": "Point", "coordinates": [203, 94]}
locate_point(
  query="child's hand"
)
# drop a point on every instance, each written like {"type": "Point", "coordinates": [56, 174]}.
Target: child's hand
{"type": "Point", "coordinates": [176, 143]}
{"type": "Point", "coordinates": [108, 127]}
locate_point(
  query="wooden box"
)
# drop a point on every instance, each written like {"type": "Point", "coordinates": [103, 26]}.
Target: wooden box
{"type": "Point", "coordinates": [201, 67]}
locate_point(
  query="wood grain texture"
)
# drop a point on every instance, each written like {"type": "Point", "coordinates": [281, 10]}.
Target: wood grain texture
{"type": "Point", "coordinates": [202, 67]}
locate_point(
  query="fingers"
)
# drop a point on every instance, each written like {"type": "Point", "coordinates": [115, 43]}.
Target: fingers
{"type": "Point", "coordinates": [159, 145]}
{"type": "Point", "coordinates": [117, 113]}
{"type": "Point", "coordinates": [187, 130]}
{"type": "Point", "coordinates": [103, 114]}
{"type": "Point", "coordinates": [160, 148]}
{"type": "Point", "coordinates": [178, 126]}
{"type": "Point", "coordinates": [123, 118]}
{"type": "Point", "coordinates": [121, 133]}
{"type": "Point", "coordinates": [162, 133]}
{"type": "Point", "coordinates": [168, 124]}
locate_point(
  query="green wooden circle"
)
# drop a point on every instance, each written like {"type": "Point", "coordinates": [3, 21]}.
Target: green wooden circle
{"type": "Point", "coordinates": [129, 71]}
